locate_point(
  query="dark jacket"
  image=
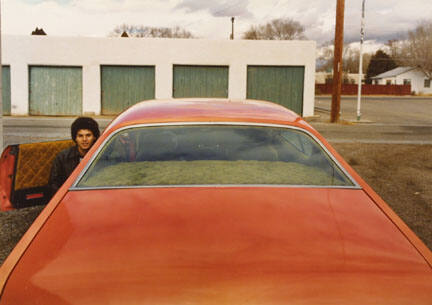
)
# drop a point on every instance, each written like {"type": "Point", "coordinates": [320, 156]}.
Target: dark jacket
{"type": "Point", "coordinates": [63, 165]}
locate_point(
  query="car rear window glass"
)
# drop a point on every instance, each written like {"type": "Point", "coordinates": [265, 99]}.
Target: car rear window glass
{"type": "Point", "coordinates": [212, 154]}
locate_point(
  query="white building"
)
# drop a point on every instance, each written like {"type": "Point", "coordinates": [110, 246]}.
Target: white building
{"type": "Point", "coordinates": [420, 83]}
{"type": "Point", "coordinates": [347, 78]}
{"type": "Point", "coordinates": [74, 75]}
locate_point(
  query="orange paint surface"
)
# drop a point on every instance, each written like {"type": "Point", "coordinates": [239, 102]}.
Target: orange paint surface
{"type": "Point", "coordinates": [219, 246]}
{"type": "Point", "coordinates": [7, 167]}
{"type": "Point", "coordinates": [186, 110]}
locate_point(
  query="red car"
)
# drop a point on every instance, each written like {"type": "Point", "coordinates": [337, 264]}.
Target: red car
{"type": "Point", "coordinates": [216, 202]}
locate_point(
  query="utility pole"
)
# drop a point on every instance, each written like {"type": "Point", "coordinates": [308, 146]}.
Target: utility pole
{"type": "Point", "coordinates": [232, 28]}
{"type": "Point", "coordinates": [337, 64]}
{"type": "Point", "coordinates": [360, 63]}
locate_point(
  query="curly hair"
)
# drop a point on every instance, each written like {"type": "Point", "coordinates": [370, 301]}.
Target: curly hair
{"type": "Point", "coordinates": [84, 123]}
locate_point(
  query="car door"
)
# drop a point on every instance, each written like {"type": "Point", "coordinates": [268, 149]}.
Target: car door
{"type": "Point", "coordinates": [24, 173]}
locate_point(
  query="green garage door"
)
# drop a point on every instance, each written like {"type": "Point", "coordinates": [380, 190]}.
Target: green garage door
{"type": "Point", "coordinates": [124, 86]}
{"type": "Point", "coordinates": [55, 90]}
{"type": "Point", "coordinates": [200, 81]}
{"type": "Point", "coordinates": [6, 93]}
{"type": "Point", "coordinates": [278, 84]}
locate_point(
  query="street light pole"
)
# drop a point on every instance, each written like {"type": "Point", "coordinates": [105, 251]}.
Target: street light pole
{"type": "Point", "coordinates": [360, 63]}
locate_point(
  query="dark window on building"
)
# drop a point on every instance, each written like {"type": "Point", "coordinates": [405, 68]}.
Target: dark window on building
{"type": "Point", "coordinates": [407, 82]}
{"type": "Point", "coordinates": [427, 83]}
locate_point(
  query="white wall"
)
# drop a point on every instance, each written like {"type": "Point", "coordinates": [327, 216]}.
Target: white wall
{"type": "Point", "coordinates": [383, 81]}
{"type": "Point", "coordinates": [22, 51]}
{"type": "Point", "coordinates": [417, 81]}
{"type": "Point", "coordinates": [353, 78]}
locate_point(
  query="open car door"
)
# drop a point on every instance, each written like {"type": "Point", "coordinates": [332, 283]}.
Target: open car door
{"type": "Point", "coordinates": [25, 171]}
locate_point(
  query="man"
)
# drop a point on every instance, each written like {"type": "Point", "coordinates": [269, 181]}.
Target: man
{"type": "Point", "coordinates": [84, 132]}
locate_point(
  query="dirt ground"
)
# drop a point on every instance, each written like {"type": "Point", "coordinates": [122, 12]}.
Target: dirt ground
{"type": "Point", "coordinates": [400, 174]}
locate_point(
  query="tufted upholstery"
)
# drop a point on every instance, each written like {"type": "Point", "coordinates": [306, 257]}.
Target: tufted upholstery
{"type": "Point", "coordinates": [34, 163]}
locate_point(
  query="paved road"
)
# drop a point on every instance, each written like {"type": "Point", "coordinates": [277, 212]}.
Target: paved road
{"type": "Point", "coordinates": [383, 110]}
{"type": "Point", "coordinates": [406, 120]}
{"type": "Point", "coordinates": [19, 130]}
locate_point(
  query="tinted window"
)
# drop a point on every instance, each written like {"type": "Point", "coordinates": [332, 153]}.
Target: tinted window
{"type": "Point", "coordinates": [212, 154]}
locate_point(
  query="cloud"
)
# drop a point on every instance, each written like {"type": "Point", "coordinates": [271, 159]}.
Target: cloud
{"type": "Point", "coordinates": [217, 8]}
{"type": "Point", "coordinates": [95, 18]}
{"type": "Point", "coordinates": [63, 2]}
{"type": "Point", "coordinates": [384, 20]}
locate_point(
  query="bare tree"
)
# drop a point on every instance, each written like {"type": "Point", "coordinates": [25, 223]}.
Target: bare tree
{"type": "Point", "coordinates": [277, 29]}
{"type": "Point", "coordinates": [350, 59]}
{"type": "Point", "coordinates": [416, 50]}
{"type": "Point", "coordinates": [393, 48]}
{"type": "Point", "coordinates": [325, 59]}
{"type": "Point", "coordinates": [146, 31]}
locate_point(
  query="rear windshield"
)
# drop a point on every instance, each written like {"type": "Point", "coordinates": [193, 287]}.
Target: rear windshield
{"type": "Point", "coordinates": [212, 154]}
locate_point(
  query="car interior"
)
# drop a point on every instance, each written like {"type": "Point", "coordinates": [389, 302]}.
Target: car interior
{"type": "Point", "coordinates": [226, 149]}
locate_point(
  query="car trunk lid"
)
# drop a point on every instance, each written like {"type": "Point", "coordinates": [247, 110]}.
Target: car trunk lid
{"type": "Point", "coordinates": [219, 245]}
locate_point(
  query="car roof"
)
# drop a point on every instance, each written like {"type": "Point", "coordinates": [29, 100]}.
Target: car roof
{"type": "Point", "coordinates": [205, 110]}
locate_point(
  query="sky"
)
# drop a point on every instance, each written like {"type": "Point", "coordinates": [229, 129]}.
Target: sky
{"type": "Point", "coordinates": [211, 19]}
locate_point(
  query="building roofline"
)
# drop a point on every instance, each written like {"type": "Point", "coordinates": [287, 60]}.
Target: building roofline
{"type": "Point", "coordinates": [393, 73]}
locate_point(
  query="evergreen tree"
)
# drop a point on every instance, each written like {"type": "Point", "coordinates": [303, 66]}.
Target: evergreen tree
{"type": "Point", "coordinates": [379, 63]}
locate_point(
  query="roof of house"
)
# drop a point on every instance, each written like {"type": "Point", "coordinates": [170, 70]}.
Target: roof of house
{"type": "Point", "coordinates": [394, 72]}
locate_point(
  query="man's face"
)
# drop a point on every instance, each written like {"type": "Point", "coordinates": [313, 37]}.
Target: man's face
{"type": "Point", "coordinates": [84, 140]}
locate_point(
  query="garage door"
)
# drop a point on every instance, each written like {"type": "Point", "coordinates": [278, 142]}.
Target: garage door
{"type": "Point", "coordinates": [200, 81]}
{"type": "Point", "coordinates": [124, 86]}
{"type": "Point", "coordinates": [6, 93]}
{"type": "Point", "coordinates": [279, 84]}
{"type": "Point", "coordinates": [55, 90]}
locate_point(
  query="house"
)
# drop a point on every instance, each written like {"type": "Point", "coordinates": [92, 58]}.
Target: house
{"type": "Point", "coordinates": [327, 77]}
{"type": "Point", "coordinates": [420, 83]}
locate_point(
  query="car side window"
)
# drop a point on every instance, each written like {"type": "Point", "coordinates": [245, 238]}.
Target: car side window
{"type": "Point", "coordinates": [299, 141]}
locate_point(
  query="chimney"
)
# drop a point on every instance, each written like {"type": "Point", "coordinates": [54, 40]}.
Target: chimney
{"type": "Point", "coordinates": [38, 31]}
